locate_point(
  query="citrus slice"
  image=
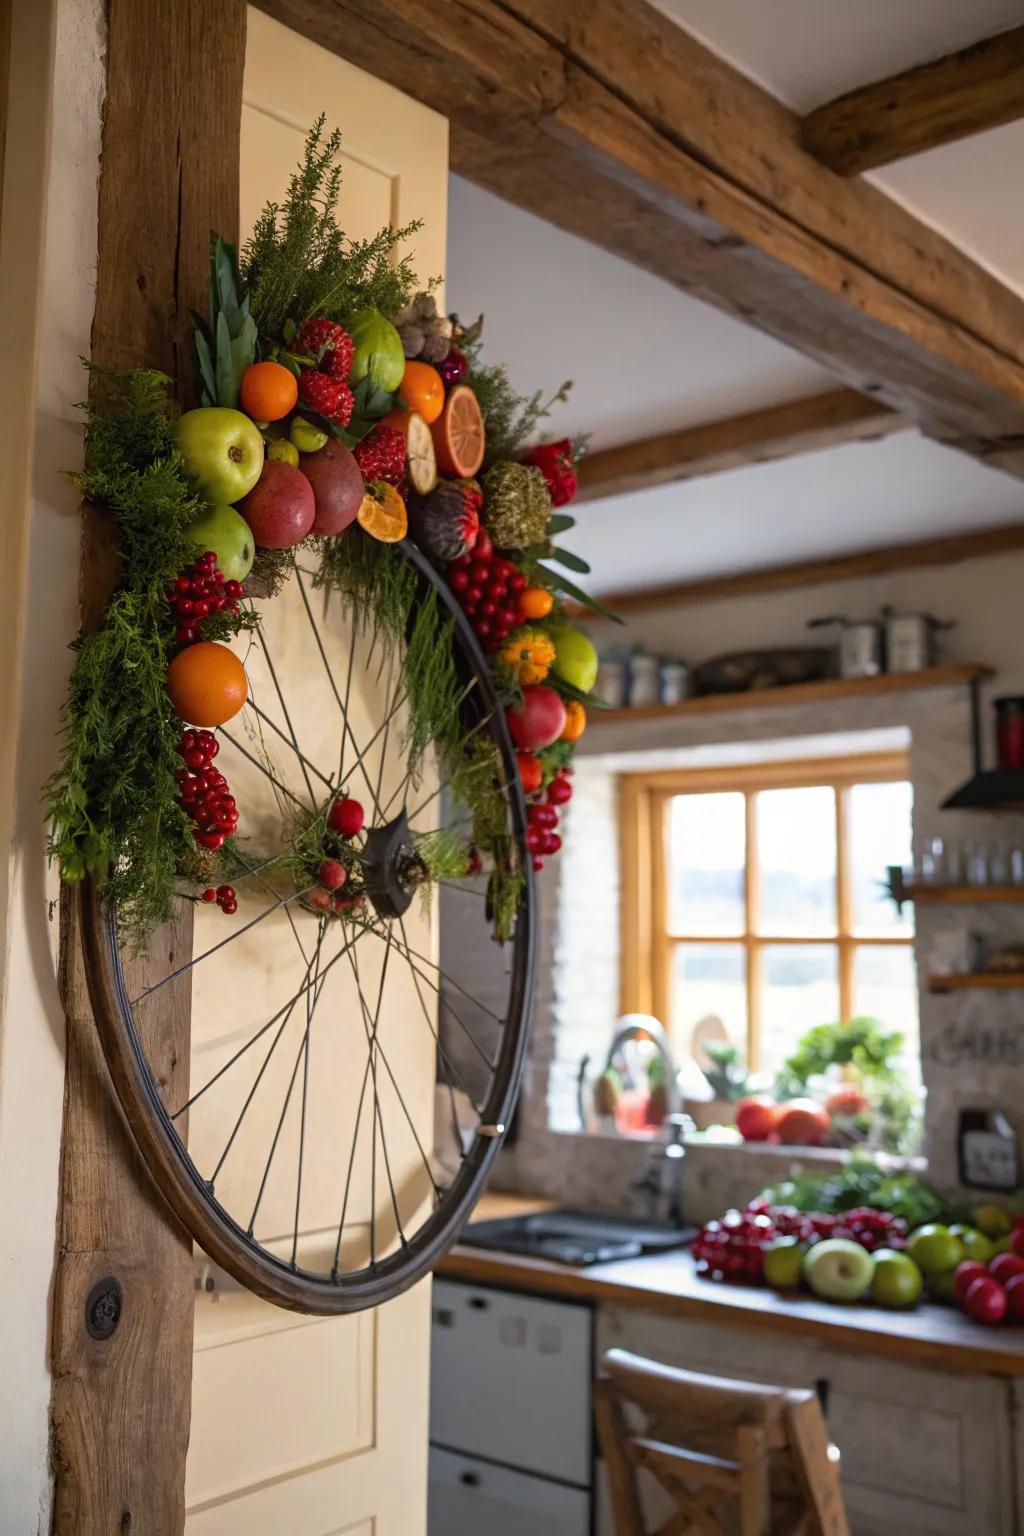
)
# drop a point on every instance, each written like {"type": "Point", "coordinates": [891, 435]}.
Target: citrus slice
{"type": "Point", "coordinates": [382, 514]}
{"type": "Point", "coordinates": [458, 435]}
{"type": "Point", "coordinates": [420, 458]}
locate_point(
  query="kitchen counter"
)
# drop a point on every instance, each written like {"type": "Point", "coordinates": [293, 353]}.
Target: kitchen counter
{"type": "Point", "coordinates": [668, 1284]}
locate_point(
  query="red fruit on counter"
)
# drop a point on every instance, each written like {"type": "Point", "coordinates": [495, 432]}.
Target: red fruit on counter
{"type": "Point", "coordinates": [1005, 1266]}
{"type": "Point", "coordinates": [985, 1301]}
{"type": "Point", "coordinates": [802, 1123]}
{"type": "Point", "coordinates": [1017, 1241]}
{"type": "Point", "coordinates": [1015, 1298]}
{"type": "Point", "coordinates": [756, 1116]}
{"type": "Point", "coordinates": [846, 1103]}
{"type": "Point", "coordinates": [965, 1276]}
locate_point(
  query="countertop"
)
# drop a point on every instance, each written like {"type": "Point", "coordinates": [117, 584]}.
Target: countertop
{"type": "Point", "coordinates": [669, 1284]}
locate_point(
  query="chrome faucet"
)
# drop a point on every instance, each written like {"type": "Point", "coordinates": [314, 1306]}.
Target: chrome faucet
{"type": "Point", "coordinates": [659, 1188]}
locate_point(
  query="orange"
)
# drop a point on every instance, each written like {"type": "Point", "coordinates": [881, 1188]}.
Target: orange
{"type": "Point", "coordinates": [422, 389]}
{"type": "Point", "coordinates": [382, 514]}
{"type": "Point", "coordinates": [536, 602]}
{"type": "Point", "coordinates": [459, 436]}
{"type": "Point", "coordinates": [207, 684]}
{"type": "Point", "coordinates": [575, 720]}
{"type": "Point", "coordinates": [420, 458]}
{"type": "Point", "coordinates": [268, 391]}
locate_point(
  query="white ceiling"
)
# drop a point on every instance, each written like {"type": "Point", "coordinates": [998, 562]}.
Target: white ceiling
{"type": "Point", "coordinates": [645, 358]}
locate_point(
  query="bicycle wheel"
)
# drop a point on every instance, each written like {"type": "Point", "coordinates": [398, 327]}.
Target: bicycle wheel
{"type": "Point", "coordinates": [303, 1157]}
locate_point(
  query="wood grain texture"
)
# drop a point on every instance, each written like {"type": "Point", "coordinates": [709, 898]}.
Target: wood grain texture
{"type": "Point", "coordinates": [812, 573]}
{"type": "Point", "coordinates": [121, 1408]}
{"type": "Point", "coordinates": [796, 693]}
{"type": "Point", "coordinates": [830, 420]}
{"type": "Point", "coordinates": [949, 98]}
{"type": "Point", "coordinates": [978, 981]}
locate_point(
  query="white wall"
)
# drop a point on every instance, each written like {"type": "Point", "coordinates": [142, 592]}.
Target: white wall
{"type": "Point", "coordinates": [47, 274]}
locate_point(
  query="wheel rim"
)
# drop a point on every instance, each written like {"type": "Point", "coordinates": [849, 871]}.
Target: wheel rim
{"type": "Point", "coordinates": [410, 1241]}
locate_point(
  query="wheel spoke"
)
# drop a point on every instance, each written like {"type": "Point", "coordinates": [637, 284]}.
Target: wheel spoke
{"type": "Point", "coordinates": [312, 998]}
{"type": "Point", "coordinates": [289, 741]}
{"type": "Point", "coordinates": [303, 807]}
{"type": "Point", "coordinates": [458, 987]}
{"type": "Point", "coordinates": [450, 1069]}
{"type": "Point", "coordinates": [284, 709]}
{"type": "Point", "coordinates": [373, 1049]}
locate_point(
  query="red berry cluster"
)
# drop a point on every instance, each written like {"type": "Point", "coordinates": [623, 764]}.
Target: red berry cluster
{"type": "Point", "coordinates": [872, 1229]}
{"type": "Point", "coordinates": [488, 587]}
{"type": "Point", "coordinates": [555, 462]}
{"type": "Point", "coordinates": [201, 590]}
{"type": "Point", "coordinates": [806, 1226]}
{"type": "Point", "coordinates": [542, 839]}
{"type": "Point", "coordinates": [203, 791]}
{"type": "Point", "coordinates": [452, 367]}
{"type": "Point", "coordinates": [734, 1248]}
{"type": "Point", "coordinates": [225, 896]}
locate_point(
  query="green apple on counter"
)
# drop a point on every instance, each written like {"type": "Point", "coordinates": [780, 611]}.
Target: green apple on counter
{"type": "Point", "coordinates": [838, 1269]}
{"type": "Point", "coordinates": [935, 1249]}
{"type": "Point", "coordinates": [225, 532]}
{"type": "Point", "coordinates": [784, 1262]}
{"type": "Point", "coordinates": [896, 1280]}
{"type": "Point", "coordinates": [221, 449]}
{"type": "Point", "coordinates": [992, 1219]}
{"type": "Point", "coordinates": [974, 1242]}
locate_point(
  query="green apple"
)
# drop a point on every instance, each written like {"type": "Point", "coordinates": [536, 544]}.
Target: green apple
{"type": "Point", "coordinates": [992, 1220]}
{"type": "Point", "coordinates": [227, 533]}
{"type": "Point", "coordinates": [975, 1244]}
{"type": "Point", "coordinates": [284, 450]}
{"type": "Point", "coordinates": [305, 437]}
{"type": "Point", "coordinates": [784, 1262]}
{"type": "Point", "coordinates": [934, 1248]}
{"type": "Point", "coordinates": [896, 1281]}
{"type": "Point", "coordinates": [222, 450]}
{"type": "Point", "coordinates": [942, 1287]}
{"type": "Point", "coordinates": [838, 1270]}
{"type": "Point", "coordinates": [575, 658]}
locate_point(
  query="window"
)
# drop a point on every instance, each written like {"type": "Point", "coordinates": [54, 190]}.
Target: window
{"type": "Point", "coordinates": [755, 895]}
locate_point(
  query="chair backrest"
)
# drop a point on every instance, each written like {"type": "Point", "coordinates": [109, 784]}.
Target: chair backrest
{"type": "Point", "coordinates": [735, 1458]}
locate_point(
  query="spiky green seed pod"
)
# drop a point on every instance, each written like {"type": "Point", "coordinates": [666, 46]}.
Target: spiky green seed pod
{"type": "Point", "coordinates": [517, 505]}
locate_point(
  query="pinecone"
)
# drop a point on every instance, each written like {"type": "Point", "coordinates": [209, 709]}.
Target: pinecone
{"type": "Point", "coordinates": [331, 398]}
{"type": "Point", "coordinates": [517, 505]}
{"type": "Point", "coordinates": [412, 339]}
{"type": "Point", "coordinates": [381, 455]}
{"type": "Point", "coordinates": [435, 347]}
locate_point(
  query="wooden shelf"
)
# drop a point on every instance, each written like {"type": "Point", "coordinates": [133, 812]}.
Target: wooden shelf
{"type": "Point", "coordinates": [978, 981]}
{"type": "Point", "coordinates": [797, 693]}
{"type": "Point", "coordinates": [959, 895]}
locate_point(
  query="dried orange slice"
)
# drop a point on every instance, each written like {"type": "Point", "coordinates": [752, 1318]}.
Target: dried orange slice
{"type": "Point", "coordinates": [459, 437]}
{"type": "Point", "coordinates": [420, 458]}
{"type": "Point", "coordinates": [382, 514]}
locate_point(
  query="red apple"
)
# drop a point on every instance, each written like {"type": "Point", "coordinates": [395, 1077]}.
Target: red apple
{"type": "Point", "coordinates": [847, 1102]}
{"type": "Point", "coordinates": [337, 486]}
{"type": "Point", "coordinates": [1017, 1241]}
{"type": "Point", "coordinates": [756, 1116]}
{"type": "Point", "coordinates": [1015, 1297]}
{"type": "Point", "coordinates": [1005, 1266]}
{"type": "Point", "coordinates": [538, 721]}
{"type": "Point", "coordinates": [965, 1275]}
{"type": "Point", "coordinates": [280, 508]}
{"type": "Point", "coordinates": [985, 1300]}
{"type": "Point", "coordinates": [802, 1123]}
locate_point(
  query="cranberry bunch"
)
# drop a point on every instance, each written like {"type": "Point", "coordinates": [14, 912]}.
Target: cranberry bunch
{"type": "Point", "coordinates": [872, 1229]}
{"type": "Point", "coordinates": [488, 588]}
{"type": "Point", "coordinates": [225, 896]}
{"type": "Point", "coordinates": [733, 1248]}
{"type": "Point", "coordinates": [201, 590]}
{"type": "Point", "coordinates": [806, 1226]}
{"type": "Point", "coordinates": [542, 837]}
{"type": "Point", "coordinates": [203, 791]}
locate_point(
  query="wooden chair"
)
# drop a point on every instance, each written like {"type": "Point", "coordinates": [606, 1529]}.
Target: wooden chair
{"type": "Point", "coordinates": [734, 1457]}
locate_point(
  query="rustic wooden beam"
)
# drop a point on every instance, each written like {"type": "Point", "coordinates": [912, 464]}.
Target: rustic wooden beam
{"type": "Point", "coordinates": [758, 437]}
{"type": "Point", "coordinates": [813, 573]}
{"type": "Point", "coordinates": [121, 1403]}
{"type": "Point", "coordinates": [606, 119]}
{"type": "Point", "coordinates": [963, 93]}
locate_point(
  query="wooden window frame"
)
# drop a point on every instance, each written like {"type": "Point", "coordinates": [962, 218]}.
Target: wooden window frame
{"type": "Point", "coordinates": [647, 944]}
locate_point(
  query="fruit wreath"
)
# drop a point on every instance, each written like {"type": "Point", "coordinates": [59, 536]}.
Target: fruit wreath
{"type": "Point", "coordinates": [340, 414]}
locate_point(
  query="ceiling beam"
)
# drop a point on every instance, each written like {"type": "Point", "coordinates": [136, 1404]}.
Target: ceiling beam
{"type": "Point", "coordinates": [951, 550]}
{"type": "Point", "coordinates": [964, 93]}
{"type": "Point", "coordinates": [758, 437]}
{"type": "Point", "coordinates": [604, 118]}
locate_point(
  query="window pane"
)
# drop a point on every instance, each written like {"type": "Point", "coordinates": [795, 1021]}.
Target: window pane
{"type": "Point", "coordinates": [885, 987]}
{"type": "Point", "coordinates": [879, 834]}
{"type": "Point", "coordinates": [800, 989]}
{"type": "Point", "coordinates": [707, 840]}
{"type": "Point", "coordinates": [796, 840]}
{"type": "Point", "coordinates": [709, 979]}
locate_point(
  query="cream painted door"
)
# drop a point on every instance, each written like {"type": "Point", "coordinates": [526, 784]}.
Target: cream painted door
{"type": "Point", "coordinates": [303, 1426]}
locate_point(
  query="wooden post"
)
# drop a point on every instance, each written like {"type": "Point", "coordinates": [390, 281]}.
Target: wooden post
{"type": "Point", "coordinates": [123, 1294]}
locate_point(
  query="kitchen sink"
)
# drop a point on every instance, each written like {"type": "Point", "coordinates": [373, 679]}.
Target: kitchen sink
{"type": "Point", "coordinates": [576, 1237]}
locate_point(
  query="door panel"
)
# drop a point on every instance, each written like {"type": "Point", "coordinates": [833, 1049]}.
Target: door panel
{"type": "Point", "coordinates": [318, 1427]}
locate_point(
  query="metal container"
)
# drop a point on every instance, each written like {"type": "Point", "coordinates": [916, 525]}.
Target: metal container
{"type": "Point", "coordinates": [610, 686]}
{"type": "Point", "coordinates": [860, 645]}
{"type": "Point", "coordinates": [643, 679]}
{"type": "Point", "coordinates": [675, 681]}
{"type": "Point", "coordinates": [910, 644]}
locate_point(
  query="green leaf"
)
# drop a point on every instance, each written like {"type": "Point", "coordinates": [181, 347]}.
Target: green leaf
{"type": "Point", "coordinates": [561, 522]}
{"type": "Point", "coordinates": [243, 351]}
{"type": "Point", "coordinates": [227, 387]}
{"type": "Point", "coordinates": [570, 691]}
{"type": "Point", "coordinates": [556, 579]}
{"type": "Point", "coordinates": [288, 331]}
{"type": "Point", "coordinates": [225, 272]}
{"type": "Point", "coordinates": [572, 562]}
{"type": "Point", "coordinates": [206, 370]}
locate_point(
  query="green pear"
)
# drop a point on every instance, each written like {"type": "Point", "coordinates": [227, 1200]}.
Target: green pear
{"type": "Point", "coordinates": [227, 533]}
{"type": "Point", "coordinates": [575, 657]}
